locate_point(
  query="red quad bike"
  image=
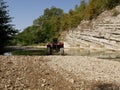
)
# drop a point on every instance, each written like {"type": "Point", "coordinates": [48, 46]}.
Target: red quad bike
{"type": "Point", "coordinates": [55, 46]}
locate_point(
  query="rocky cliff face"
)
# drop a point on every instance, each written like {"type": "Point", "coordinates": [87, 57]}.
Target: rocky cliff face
{"type": "Point", "coordinates": [102, 32]}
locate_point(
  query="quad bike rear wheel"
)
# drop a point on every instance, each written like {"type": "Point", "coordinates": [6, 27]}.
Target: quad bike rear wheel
{"type": "Point", "coordinates": [61, 51]}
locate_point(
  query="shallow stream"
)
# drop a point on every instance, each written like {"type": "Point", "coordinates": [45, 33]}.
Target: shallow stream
{"type": "Point", "coordinates": [103, 54]}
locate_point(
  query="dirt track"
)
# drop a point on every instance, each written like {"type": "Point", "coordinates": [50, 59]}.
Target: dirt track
{"type": "Point", "coordinates": [58, 73]}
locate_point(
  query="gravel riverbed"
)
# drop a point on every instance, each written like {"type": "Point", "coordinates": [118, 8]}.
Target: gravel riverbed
{"type": "Point", "coordinates": [58, 73]}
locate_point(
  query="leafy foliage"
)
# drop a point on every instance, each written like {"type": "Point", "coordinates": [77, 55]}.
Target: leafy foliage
{"type": "Point", "coordinates": [95, 7]}
{"type": "Point", "coordinates": [6, 30]}
{"type": "Point", "coordinates": [44, 28]}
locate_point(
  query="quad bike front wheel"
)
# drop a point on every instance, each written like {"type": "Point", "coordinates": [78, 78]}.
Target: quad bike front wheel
{"type": "Point", "coordinates": [49, 51]}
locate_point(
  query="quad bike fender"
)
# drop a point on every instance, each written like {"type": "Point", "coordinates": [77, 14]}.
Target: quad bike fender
{"type": "Point", "coordinates": [49, 45]}
{"type": "Point", "coordinates": [61, 44]}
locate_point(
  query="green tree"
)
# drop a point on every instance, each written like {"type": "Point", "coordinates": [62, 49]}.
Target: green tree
{"type": "Point", "coordinates": [95, 7]}
{"type": "Point", "coordinates": [65, 22]}
{"type": "Point", "coordinates": [112, 3]}
{"type": "Point", "coordinates": [6, 29]}
{"type": "Point", "coordinates": [44, 28]}
{"type": "Point", "coordinates": [78, 14]}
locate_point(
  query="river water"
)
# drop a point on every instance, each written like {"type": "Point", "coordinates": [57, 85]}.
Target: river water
{"type": "Point", "coordinates": [103, 54]}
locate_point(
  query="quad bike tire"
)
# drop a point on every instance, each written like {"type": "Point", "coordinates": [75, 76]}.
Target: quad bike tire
{"type": "Point", "coordinates": [49, 51]}
{"type": "Point", "coordinates": [61, 51]}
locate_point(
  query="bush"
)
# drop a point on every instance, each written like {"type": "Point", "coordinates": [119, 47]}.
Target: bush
{"type": "Point", "coordinates": [115, 13]}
